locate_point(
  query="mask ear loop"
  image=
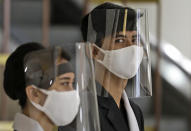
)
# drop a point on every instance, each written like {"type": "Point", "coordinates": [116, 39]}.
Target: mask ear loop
{"type": "Point", "coordinates": [42, 90]}
{"type": "Point", "coordinates": [38, 106]}
{"type": "Point", "coordinates": [101, 50]}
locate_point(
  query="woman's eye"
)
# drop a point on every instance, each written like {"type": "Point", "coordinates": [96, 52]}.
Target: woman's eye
{"type": "Point", "coordinates": [68, 83]}
{"type": "Point", "coordinates": [119, 41]}
{"type": "Point", "coordinates": [65, 83]}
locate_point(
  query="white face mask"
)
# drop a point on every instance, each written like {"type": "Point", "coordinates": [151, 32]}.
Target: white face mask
{"type": "Point", "coordinates": [123, 62]}
{"type": "Point", "coordinates": [60, 107]}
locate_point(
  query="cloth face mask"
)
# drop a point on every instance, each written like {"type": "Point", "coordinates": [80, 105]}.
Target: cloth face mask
{"type": "Point", "coordinates": [60, 107]}
{"type": "Point", "coordinates": [123, 62]}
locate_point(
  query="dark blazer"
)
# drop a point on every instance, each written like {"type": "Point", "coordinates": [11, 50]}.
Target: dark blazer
{"type": "Point", "coordinates": [111, 118]}
{"type": "Point", "coordinates": [65, 128]}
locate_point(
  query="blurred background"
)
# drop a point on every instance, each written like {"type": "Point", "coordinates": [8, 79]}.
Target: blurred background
{"type": "Point", "coordinates": [54, 22]}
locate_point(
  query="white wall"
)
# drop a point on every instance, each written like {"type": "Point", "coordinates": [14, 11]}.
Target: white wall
{"type": "Point", "coordinates": [176, 22]}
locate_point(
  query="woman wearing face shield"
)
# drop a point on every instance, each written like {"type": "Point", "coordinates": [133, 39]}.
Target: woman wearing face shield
{"type": "Point", "coordinates": [118, 53]}
{"type": "Point", "coordinates": [42, 81]}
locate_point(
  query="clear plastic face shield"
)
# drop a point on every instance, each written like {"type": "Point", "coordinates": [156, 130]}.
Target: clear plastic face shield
{"type": "Point", "coordinates": [120, 48]}
{"type": "Point", "coordinates": [55, 87]}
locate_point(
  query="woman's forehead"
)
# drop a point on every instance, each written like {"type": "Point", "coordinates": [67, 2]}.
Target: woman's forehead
{"type": "Point", "coordinates": [68, 74]}
{"type": "Point", "coordinates": [126, 33]}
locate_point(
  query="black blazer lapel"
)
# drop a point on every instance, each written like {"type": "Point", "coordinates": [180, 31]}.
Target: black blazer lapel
{"type": "Point", "coordinates": [112, 114]}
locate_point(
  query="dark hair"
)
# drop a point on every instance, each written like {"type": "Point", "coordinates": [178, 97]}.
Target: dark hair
{"type": "Point", "coordinates": [98, 18]}
{"type": "Point", "coordinates": [14, 78]}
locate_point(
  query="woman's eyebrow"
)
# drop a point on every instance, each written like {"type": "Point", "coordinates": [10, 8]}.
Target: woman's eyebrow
{"type": "Point", "coordinates": [64, 78]}
{"type": "Point", "coordinates": [120, 35]}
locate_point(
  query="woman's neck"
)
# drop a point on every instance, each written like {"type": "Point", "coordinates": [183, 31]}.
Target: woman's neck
{"type": "Point", "coordinates": [115, 86]}
{"type": "Point", "coordinates": [39, 116]}
{"type": "Point", "coordinates": [112, 84]}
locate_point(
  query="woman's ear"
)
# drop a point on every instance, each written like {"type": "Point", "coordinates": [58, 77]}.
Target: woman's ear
{"type": "Point", "coordinates": [35, 95]}
{"type": "Point", "coordinates": [97, 53]}
{"type": "Point", "coordinates": [32, 94]}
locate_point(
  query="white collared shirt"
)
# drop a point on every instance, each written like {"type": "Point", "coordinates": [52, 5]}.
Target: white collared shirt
{"type": "Point", "coordinates": [133, 124]}
{"type": "Point", "coordinates": [25, 123]}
